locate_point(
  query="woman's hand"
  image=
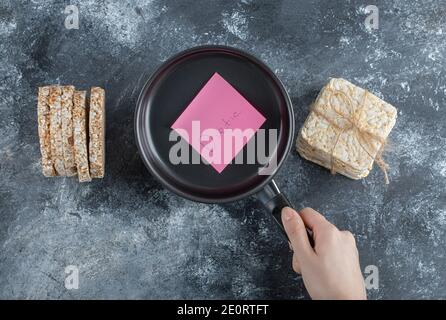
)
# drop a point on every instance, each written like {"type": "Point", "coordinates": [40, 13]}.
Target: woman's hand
{"type": "Point", "coordinates": [331, 269]}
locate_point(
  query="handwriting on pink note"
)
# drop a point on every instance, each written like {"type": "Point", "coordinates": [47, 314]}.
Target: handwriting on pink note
{"type": "Point", "coordinates": [218, 108]}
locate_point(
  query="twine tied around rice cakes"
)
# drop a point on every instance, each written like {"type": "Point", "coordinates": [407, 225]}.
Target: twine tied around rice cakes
{"type": "Point", "coordinates": [352, 123]}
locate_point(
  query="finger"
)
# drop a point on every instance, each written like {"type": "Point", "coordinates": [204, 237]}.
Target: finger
{"type": "Point", "coordinates": [313, 219]}
{"type": "Point", "coordinates": [349, 236]}
{"type": "Point", "coordinates": [351, 239]}
{"type": "Point", "coordinates": [296, 232]}
{"type": "Point", "coordinates": [296, 265]}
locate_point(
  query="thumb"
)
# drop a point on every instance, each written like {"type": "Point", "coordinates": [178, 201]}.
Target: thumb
{"type": "Point", "coordinates": [295, 229]}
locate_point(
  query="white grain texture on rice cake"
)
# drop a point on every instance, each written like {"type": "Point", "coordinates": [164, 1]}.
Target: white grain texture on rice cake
{"type": "Point", "coordinates": [43, 119]}
{"type": "Point", "coordinates": [80, 136]}
{"type": "Point", "coordinates": [67, 130]}
{"type": "Point", "coordinates": [97, 132]}
{"type": "Point", "coordinates": [324, 160]}
{"type": "Point", "coordinates": [56, 129]}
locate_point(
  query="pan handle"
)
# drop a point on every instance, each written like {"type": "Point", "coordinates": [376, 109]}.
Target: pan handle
{"type": "Point", "coordinates": [274, 201]}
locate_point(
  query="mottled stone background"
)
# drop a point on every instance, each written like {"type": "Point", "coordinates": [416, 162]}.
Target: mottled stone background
{"type": "Point", "coordinates": [133, 239]}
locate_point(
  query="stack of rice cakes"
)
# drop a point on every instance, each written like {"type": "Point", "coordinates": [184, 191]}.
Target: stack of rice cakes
{"type": "Point", "coordinates": [346, 129]}
{"type": "Point", "coordinates": [71, 134]}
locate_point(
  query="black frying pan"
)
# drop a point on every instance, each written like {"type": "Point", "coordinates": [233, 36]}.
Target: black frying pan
{"type": "Point", "coordinates": [168, 92]}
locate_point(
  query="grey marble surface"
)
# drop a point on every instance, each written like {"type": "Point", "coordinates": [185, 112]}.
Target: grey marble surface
{"type": "Point", "coordinates": [131, 238]}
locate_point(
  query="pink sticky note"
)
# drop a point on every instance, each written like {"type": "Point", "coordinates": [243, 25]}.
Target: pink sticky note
{"type": "Point", "coordinates": [220, 107]}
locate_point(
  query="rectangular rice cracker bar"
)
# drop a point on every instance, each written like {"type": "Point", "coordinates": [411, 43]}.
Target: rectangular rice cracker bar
{"type": "Point", "coordinates": [67, 130]}
{"type": "Point", "coordinates": [80, 136]}
{"type": "Point", "coordinates": [43, 118]}
{"type": "Point", "coordinates": [97, 132]}
{"type": "Point", "coordinates": [56, 129]}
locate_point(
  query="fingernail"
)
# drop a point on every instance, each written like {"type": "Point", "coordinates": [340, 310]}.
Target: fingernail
{"type": "Point", "coordinates": [288, 213]}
